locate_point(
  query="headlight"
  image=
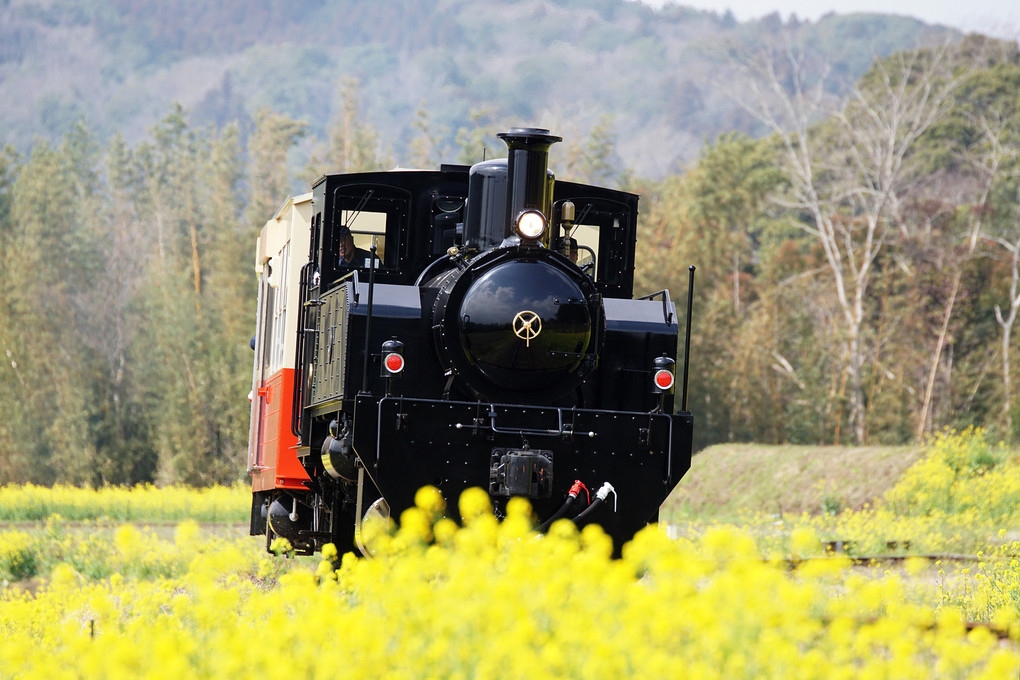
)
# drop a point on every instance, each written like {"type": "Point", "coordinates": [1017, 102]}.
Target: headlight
{"type": "Point", "coordinates": [530, 224]}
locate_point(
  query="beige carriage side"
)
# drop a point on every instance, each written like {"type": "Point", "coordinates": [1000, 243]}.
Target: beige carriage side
{"type": "Point", "coordinates": [283, 244]}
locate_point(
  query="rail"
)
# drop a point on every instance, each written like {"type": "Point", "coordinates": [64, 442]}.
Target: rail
{"type": "Point", "coordinates": [667, 314]}
{"type": "Point", "coordinates": [298, 401]}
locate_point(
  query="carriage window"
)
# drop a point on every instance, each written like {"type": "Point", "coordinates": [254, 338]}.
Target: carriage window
{"type": "Point", "coordinates": [279, 311]}
{"type": "Point", "coordinates": [273, 315]}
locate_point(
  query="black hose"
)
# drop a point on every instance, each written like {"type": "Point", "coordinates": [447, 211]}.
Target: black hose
{"type": "Point", "coordinates": [587, 511]}
{"type": "Point", "coordinates": [559, 514]}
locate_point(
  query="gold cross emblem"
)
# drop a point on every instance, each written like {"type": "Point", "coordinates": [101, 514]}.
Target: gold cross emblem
{"type": "Point", "coordinates": [527, 326]}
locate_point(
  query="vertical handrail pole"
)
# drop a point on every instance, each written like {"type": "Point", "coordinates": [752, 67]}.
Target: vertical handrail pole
{"type": "Point", "coordinates": [368, 320]}
{"type": "Point", "coordinates": [687, 341]}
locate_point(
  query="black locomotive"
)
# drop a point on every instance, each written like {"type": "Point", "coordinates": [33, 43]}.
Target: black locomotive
{"type": "Point", "coordinates": [483, 335]}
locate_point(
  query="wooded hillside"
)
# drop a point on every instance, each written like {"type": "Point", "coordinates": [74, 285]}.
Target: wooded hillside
{"type": "Point", "coordinates": [657, 75]}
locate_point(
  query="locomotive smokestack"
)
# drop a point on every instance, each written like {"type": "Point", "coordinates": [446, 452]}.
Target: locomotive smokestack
{"type": "Point", "coordinates": [527, 171]}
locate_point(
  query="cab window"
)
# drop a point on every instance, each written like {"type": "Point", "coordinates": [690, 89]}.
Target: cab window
{"type": "Point", "coordinates": [376, 216]}
{"type": "Point", "coordinates": [447, 218]}
{"type": "Point", "coordinates": [599, 229]}
{"type": "Point", "coordinates": [368, 229]}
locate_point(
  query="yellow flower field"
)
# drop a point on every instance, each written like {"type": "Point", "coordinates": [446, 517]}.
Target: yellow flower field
{"type": "Point", "coordinates": [493, 600]}
{"type": "Point", "coordinates": [145, 503]}
{"type": "Point", "coordinates": [489, 601]}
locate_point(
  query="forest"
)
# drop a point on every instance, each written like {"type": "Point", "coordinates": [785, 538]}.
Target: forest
{"type": "Point", "coordinates": [858, 266]}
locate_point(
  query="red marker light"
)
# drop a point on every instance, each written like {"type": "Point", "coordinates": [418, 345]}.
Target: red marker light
{"type": "Point", "coordinates": [663, 379]}
{"type": "Point", "coordinates": [394, 363]}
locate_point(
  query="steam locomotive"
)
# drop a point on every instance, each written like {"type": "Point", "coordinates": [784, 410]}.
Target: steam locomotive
{"type": "Point", "coordinates": [471, 326]}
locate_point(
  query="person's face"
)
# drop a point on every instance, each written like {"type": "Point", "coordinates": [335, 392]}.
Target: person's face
{"type": "Point", "coordinates": [347, 248]}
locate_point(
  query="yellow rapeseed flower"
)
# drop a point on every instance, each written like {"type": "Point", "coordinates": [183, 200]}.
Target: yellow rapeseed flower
{"type": "Point", "coordinates": [429, 499]}
{"type": "Point", "coordinates": [474, 503]}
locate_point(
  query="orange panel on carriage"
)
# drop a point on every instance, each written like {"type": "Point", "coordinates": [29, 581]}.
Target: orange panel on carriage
{"type": "Point", "coordinates": [278, 466]}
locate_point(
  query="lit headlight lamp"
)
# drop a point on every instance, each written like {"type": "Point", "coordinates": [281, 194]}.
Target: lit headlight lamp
{"type": "Point", "coordinates": [530, 224]}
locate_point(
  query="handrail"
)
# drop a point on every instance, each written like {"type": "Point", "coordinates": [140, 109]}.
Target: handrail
{"type": "Point", "coordinates": [536, 433]}
{"type": "Point", "coordinates": [298, 400]}
{"type": "Point", "coordinates": [687, 342]}
{"type": "Point", "coordinates": [666, 314]}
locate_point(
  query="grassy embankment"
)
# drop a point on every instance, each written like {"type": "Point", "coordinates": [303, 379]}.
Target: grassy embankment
{"type": "Point", "coordinates": [728, 481]}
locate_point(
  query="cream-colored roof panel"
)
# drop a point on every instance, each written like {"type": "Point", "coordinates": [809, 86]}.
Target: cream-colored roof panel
{"type": "Point", "coordinates": [300, 224]}
{"type": "Point", "coordinates": [288, 223]}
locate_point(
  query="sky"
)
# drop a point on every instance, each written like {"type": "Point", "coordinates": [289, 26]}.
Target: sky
{"type": "Point", "coordinates": [1000, 18]}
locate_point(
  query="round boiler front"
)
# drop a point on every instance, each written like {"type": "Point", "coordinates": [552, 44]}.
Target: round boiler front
{"type": "Point", "coordinates": [521, 325]}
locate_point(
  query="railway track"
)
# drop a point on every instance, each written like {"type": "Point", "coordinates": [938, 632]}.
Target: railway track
{"type": "Point", "coordinates": [878, 560]}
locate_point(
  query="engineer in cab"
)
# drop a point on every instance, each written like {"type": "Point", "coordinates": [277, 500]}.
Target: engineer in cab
{"type": "Point", "coordinates": [349, 255]}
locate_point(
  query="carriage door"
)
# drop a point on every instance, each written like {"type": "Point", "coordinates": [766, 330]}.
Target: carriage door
{"type": "Point", "coordinates": [262, 344]}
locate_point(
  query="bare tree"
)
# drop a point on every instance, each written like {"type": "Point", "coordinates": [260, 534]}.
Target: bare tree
{"type": "Point", "coordinates": [1007, 321]}
{"type": "Point", "coordinates": [847, 165]}
{"type": "Point", "coordinates": [986, 163]}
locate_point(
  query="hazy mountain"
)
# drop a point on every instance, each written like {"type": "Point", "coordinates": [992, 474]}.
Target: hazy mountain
{"type": "Point", "coordinates": [561, 64]}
